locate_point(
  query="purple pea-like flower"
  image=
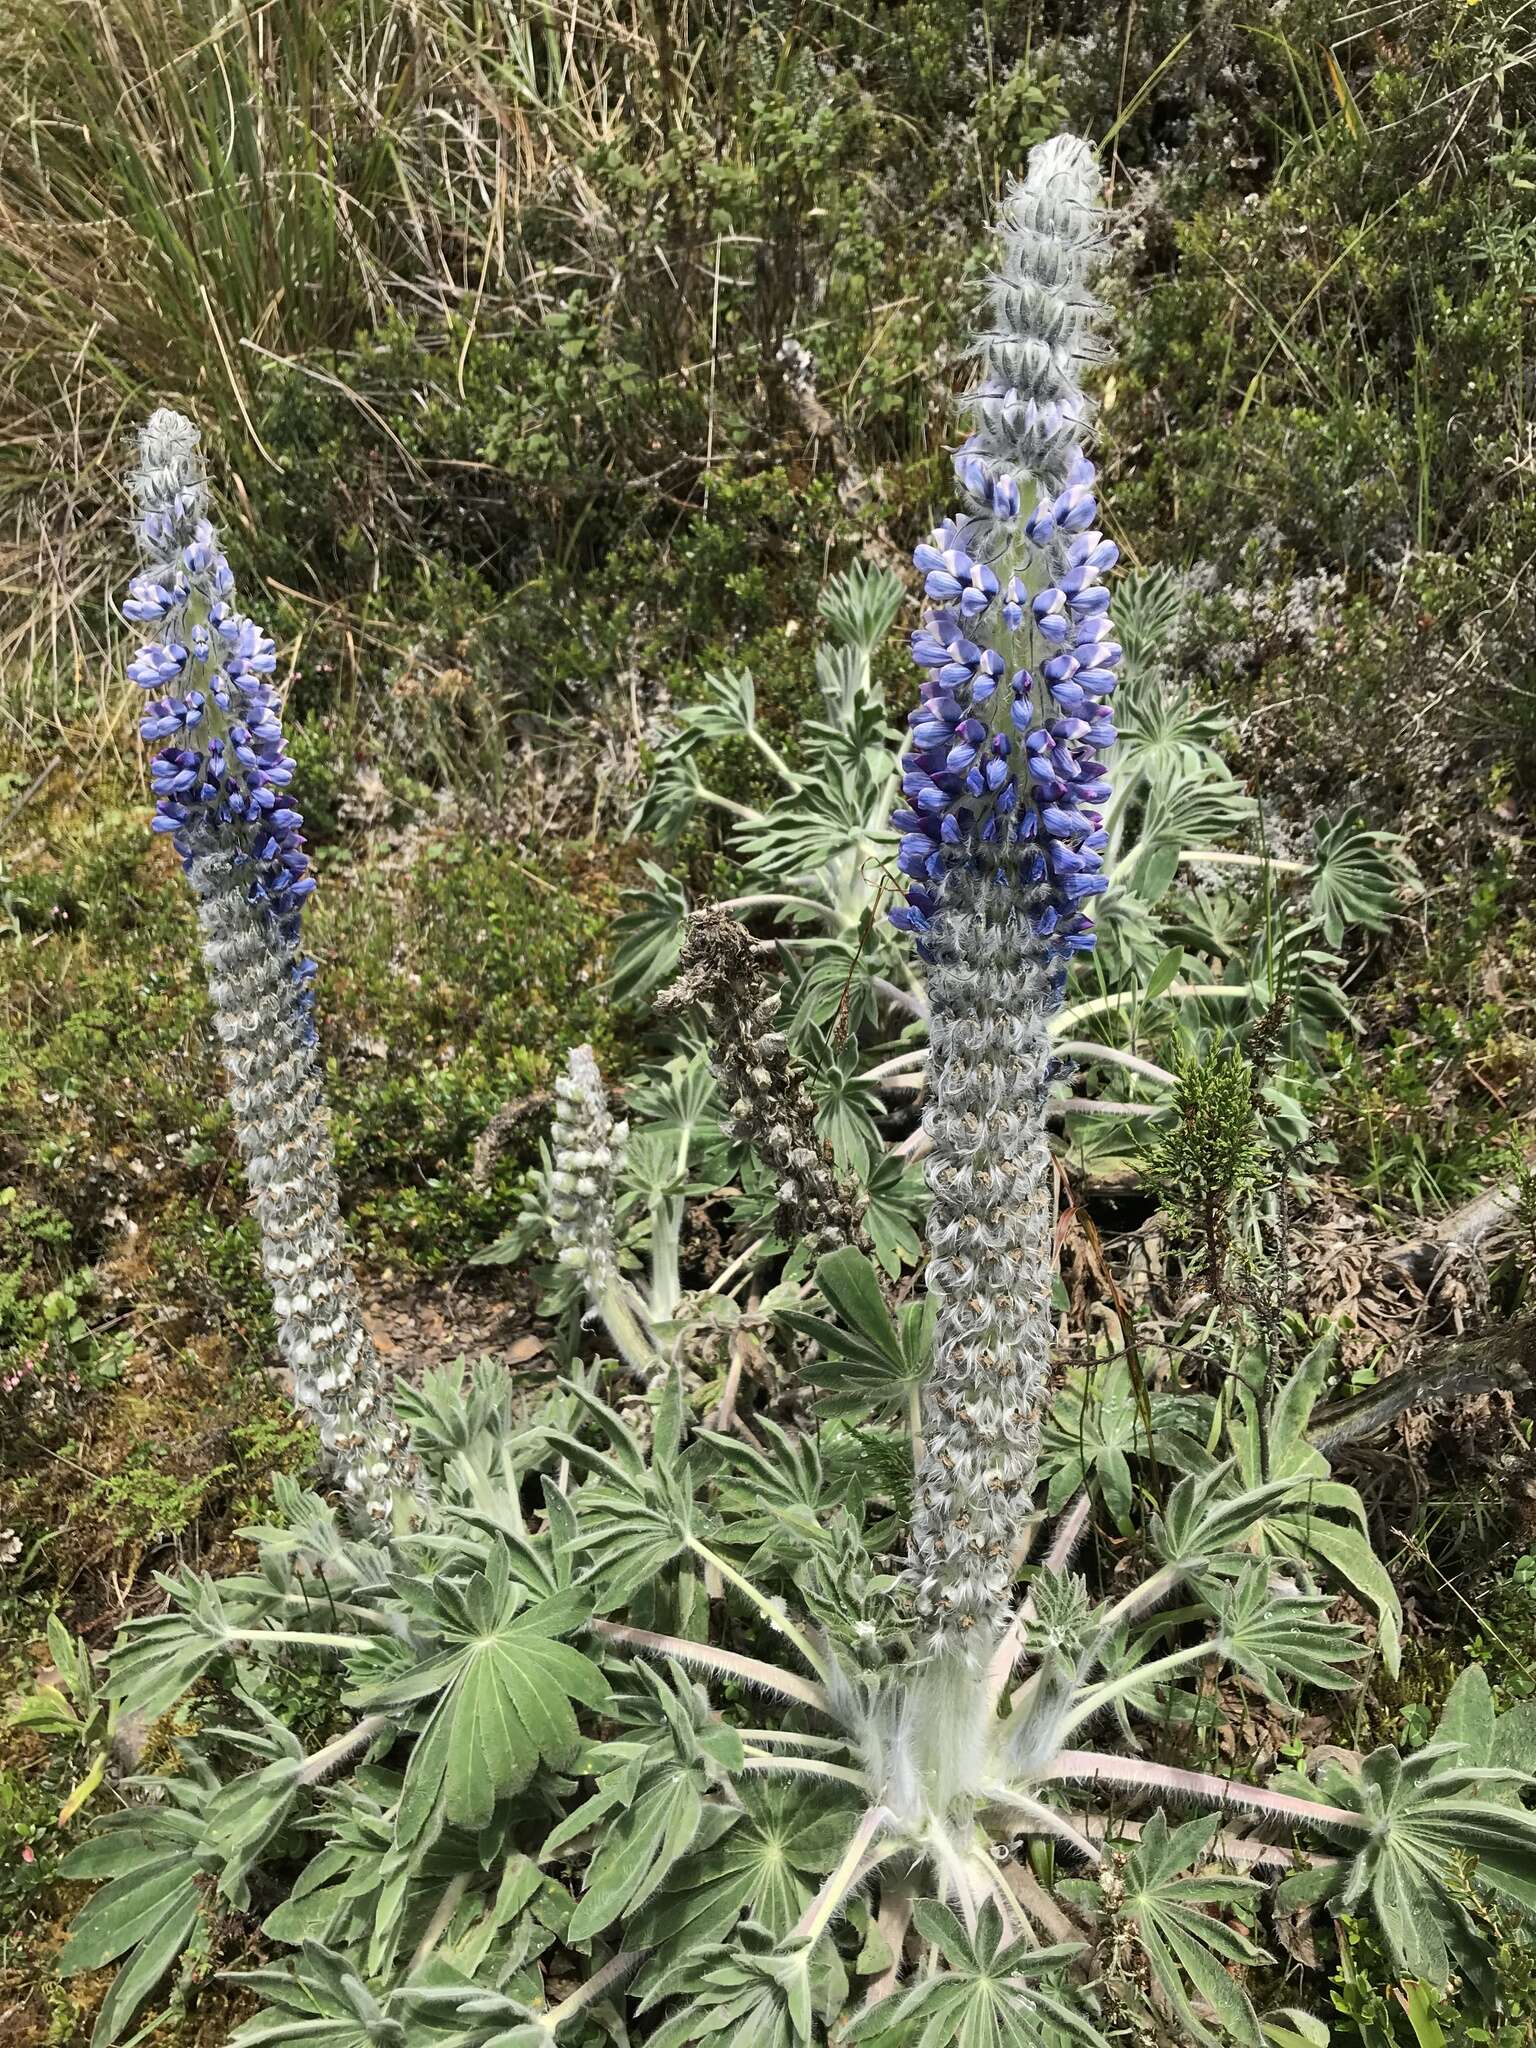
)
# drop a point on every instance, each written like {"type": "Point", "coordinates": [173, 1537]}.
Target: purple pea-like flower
{"type": "Point", "coordinates": [1028, 821]}
{"type": "Point", "coordinates": [220, 783]}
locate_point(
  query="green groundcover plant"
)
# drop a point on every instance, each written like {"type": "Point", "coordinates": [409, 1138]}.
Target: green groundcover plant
{"type": "Point", "coordinates": [778, 1723]}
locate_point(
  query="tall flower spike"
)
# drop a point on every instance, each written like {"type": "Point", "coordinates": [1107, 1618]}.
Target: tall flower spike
{"type": "Point", "coordinates": [221, 782]}
{"type": "Point", "coordinates": [1002, 836]}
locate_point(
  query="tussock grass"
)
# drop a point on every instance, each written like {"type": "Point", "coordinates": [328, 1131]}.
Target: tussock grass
{"type": "Point", "coordinates": [186, 198]}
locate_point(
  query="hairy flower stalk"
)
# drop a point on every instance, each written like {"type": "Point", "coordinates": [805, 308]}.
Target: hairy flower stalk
{"type": "Point", "coordinates": [588, 1146]}
{"type": "Point", "coordinates": [221, 782]}
{"type": "Point", "coordinates": [1002, 835]}
{"type": "Point", "coordinates": [769, 1105]}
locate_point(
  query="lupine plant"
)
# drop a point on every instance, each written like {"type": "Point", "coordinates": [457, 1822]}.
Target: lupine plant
{"type": "Point", "coordinates": [640, 1730]}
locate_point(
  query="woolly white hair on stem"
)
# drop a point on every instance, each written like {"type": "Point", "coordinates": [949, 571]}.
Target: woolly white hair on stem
{"type": "Point", "coordinates": [588, 1144]}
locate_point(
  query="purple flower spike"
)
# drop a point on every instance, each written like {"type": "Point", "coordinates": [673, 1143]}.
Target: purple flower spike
{"type": "Point", "coordinates": [217, 785]}
{"type": "Point", "coordinates": [966, 807]}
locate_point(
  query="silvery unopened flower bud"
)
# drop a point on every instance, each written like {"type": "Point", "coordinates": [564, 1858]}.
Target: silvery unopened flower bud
{"type": "Point", "coordinates": [588, 1146]}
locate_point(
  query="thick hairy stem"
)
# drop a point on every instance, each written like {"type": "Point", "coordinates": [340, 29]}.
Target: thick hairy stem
{"type": "Point", "coordinates": [990, 1259]}
{"type": "Point", "coordinates": [284, 1134]}
{"type": "Point", "coordinates": [764, 1090]}
{"type": "Point", "coordinates": [843, 1879]}
{"type": "Point", "coordinates": [729, 1663]}
{"type": "Point", "coordinates": [326, 1763]}
{"type": "Point", "coordinates": [596, 1985]}
{"type": "Point", "coordinates": [1130, 1774]}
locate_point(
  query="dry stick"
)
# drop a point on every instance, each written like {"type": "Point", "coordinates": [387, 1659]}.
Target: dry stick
{"type": "Point", "coordinates": [1043, 1910]}
{"type": "Point", "coordinates": [725, 1414]}
{"type": "Point", "coordinates": [1452, 1368]}
{"type": "Point", "coordinates": [437, 1926]}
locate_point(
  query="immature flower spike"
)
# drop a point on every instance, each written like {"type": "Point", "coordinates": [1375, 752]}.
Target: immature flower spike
{"type": "Point", "coordinates": [221, 785]}
{"type": "Point", "coordinates": [1002, 836]}
{"type": "Point", "coordinates": [588, 1146]}
{"type": "Point", "coordinates": [1028, 405]}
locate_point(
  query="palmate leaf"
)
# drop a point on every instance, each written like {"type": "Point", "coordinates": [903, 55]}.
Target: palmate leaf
{"type": "Point", "coordinates": [764, 1860]}
{"type": "Point", "coordinates": [1205, 1515]}
{"type": "Point", "coordinates": [779, 1497]}
{"type": "Point", "coordinates": [846, 1103]}
{"type": "Point", "coordinates": [837, 981]}
{"type": "Point", "coordinates": [1457, 1798]}
{"type": "Point", "coordinates": [1187, 1947]}
{"type": "Point", "coordinates": [650, 1798]}
{"type": "Point", "coordinates": [676, 790]}
{"type": "Point", "coordinates": [1421, 1812]}
{"type": "Point", "coordinates": [316, 1997]}
{"type": "Point", "coordinates": [648, 937]}
{"type": "Point", "coordinates": [635, 1515]}
{"type": "Point", "coordinates": [989, 1995]}
{"type": "Point", "coordinates": [871, 1361]}
{"type": "Point", "coordinates": [679, 1104]}
{"type": "Point", "coordinates": [803, 832]}
{"type": "Point", "coordinates": [144, 1916]}
{"type": "Point", "coordinates": [727, 708]}
{"type": "Point", "coordinates": [861, 604]}
{"type": "Point", "coordinates": [639, 1849]}
{"type": "Point", "coordinates": [756, 1994]}
{"type": "Point", "coordinates": [1358, 878]}
{"type": "Point", "coordinates": [1325, 1520]}
{"type": "Point", "coordinates": [1278, 1636]}
{"type": "Point", "coordinates": [368, 1897]}
{"type": "Point", "coordinates": [897, 1197]}
{"type": "Point", "coordinates": [1182, 811]}
{"type": "Point", "coordinates": [628, 1536]}
{"type": "Point", "coordinates": [1149, 607]}
{"type": "Point", "coordinates": [158, 1657]}
{"type": "Point", "coordinates": [1094, 1427]}
{"type": "Point", "coordinates": [503, 1685]}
